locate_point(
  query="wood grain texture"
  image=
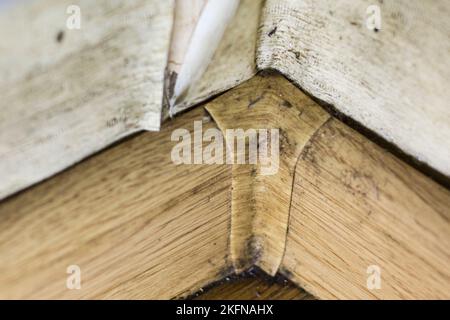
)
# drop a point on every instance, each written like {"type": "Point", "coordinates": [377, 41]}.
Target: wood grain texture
{"type": "Point", "coordinates": [355, 205]}
{"type": "Point", "coordinates": [254, 289]}
{"type": "Point", "coordinates": [393, 81]}
{"type": "Point", "coordinates": [66, 94]}
{"type": "Point", "coordinates": [137, 225]}
{"type": "Point", "coordinates": [260, 202]}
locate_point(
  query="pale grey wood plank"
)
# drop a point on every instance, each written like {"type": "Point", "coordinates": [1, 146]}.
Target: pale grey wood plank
{"type": "Point", "coordinates": [66, 94]}
{"type": "Point", "coordinates": [394, 81]}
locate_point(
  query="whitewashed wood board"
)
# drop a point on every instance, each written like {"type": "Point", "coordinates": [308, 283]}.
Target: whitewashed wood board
{"type": "Point", "coordinates": [66, 94]}
{"type": "Point", "coordinates": [394, 81]}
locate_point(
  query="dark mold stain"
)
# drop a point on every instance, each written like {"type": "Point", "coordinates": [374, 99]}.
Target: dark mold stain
{"type": "Point", "coordinates": [281, 278]}
{"type": "Point", "coordinates": [112, 122]}
{"type": "Point", "coordinates": [172, 80]}
{"type": "Point", "coordinates": [287, 273]}
{"type": "Point", "coordinates": [272, 32]}
{"type": "Point", "coordinates": [284, 140]}
{"type": "Point", "coordinates": [252, 102]}
{"type": "Point", "coordinates": [60, 36]}
{"type": "Point", "coordinates": [254, 249]}
{"type": "Point", "coordinates": [286, 104]}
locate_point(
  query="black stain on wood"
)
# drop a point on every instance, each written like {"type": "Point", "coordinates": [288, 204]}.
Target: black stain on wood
{"type": "Point", "coordinates": [282, 278]}
{"type": "Point", "coordinates": [286, 104]}
{"type": "Point", "coordinates": [60, 36]}
{"type": "Point", "coordinates": [172, 80]}
{"type": "Point", "coordinates": [272, 32]}
{"type": "Point", "coordinates": [252, 102]}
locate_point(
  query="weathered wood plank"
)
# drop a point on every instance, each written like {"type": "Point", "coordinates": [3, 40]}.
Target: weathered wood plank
{"type": "Point", "coordinates": [66, 94]}
{"type": "Point", "coordinates": [393, 81]}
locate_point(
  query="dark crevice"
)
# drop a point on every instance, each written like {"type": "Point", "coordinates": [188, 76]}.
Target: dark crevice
{"type": "Point", "coordinates": [251, 273]}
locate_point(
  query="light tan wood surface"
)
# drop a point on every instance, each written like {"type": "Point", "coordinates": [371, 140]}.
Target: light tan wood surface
{"type": "Point", "coordinates": [137, 225]}
{"type": "Point", "coordinates": [260, 200]}
{"type": "Point", "coordinates": [355, 205]}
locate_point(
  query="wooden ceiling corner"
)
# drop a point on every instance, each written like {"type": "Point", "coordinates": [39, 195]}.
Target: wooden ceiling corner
{"type": "Point", "coordinates": [140, 226]}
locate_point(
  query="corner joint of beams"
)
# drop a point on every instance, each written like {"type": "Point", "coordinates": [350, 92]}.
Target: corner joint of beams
{"type": "Point", "coordinates": [260, 202]}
